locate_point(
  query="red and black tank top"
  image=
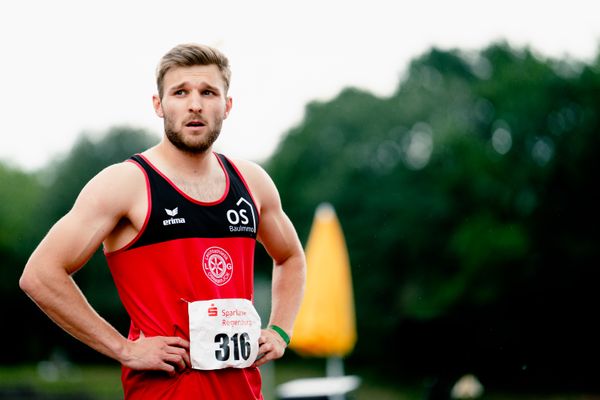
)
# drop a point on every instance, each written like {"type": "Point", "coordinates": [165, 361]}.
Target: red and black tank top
{"type": "Point", "coordinates": [187, 251]}
{"type": "Point", "coordinates": [174, 215]}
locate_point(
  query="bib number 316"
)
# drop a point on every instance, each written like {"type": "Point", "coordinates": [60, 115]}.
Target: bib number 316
{"type": "Point", "coordinates": [224, 333]}
{"type": "Point", "coordinates": [236, 346]}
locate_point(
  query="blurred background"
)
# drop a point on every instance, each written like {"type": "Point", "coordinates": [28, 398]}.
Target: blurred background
{"type": "Point", "coordinates": [461, 170]}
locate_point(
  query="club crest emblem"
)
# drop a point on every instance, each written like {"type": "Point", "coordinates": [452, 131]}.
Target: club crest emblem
{"type": "Point", "coordinates": [217, 265]}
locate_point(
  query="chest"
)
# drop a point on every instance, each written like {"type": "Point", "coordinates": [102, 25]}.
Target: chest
{"type": "Point", "coordinates": [183, 209]}
{"type": "Point", "coordinates": [202, 190]}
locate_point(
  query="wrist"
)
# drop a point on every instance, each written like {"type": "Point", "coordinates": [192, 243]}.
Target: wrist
{"type": "Point", "coordinates": [281, 333]}
{"type": "Point", "coordinates": [122, 351]}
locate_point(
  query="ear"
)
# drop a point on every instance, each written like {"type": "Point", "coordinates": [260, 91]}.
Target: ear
{"type": "Point", "coordinates": [228, 105]}
{"type": "Point", "coordinates": [157, 106]}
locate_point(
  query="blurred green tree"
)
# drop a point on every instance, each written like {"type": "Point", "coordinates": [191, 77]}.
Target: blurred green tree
{"type": "Point", "coordinates": [462, 197]}
{"type": "Point", "coordinates": [20, 195]}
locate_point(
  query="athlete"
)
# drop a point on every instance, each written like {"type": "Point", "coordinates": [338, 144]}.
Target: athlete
{"type": "Point", "coordinates": [178, 224]}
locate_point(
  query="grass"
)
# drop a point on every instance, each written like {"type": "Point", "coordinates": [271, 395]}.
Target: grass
{"type": "Point", "coordinates": [104, 383]}
{"type": "Point", "coordinates": [94, 382]}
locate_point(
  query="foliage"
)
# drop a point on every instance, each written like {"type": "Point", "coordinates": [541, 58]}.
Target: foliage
{"type": "Point", "coordinates": [463, 197]}
{"type": "Point", "coordinates": [20, 193]}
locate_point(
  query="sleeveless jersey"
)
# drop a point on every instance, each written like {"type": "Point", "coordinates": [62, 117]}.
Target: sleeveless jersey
{"type": "Point", "coordinates": [187, 251]}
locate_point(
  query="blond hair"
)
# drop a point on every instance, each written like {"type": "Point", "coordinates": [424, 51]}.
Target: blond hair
{"type": "Point", "coordinates": [188, 55]}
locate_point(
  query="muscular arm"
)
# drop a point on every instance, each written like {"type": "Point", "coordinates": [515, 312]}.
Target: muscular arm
{"type": "Point", "coordinates": [67, 247]}
{"type": "Point", "coordinates": [289, 268]}
{"type": "Point", "coordinates": [278, 236]}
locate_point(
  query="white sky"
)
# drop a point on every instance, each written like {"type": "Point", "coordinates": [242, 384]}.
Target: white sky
{"type": "Point", "coordinates": [77, 66]}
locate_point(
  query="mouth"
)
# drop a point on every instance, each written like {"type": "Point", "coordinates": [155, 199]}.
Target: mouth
{"type": "Point", "coordinates": [195, 123]}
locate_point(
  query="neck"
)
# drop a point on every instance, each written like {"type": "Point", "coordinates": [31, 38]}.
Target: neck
{"type": "Point", "coordinates": [186, 164]}
{"type": "Point", "coordinates": [200, 176]}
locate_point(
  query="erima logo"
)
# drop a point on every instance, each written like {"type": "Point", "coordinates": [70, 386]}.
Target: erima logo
{"type": "Point", "coordinates": [172, 221]}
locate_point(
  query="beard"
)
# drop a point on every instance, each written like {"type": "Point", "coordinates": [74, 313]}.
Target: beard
{"type": "Point", "coordinates": [191, 145]}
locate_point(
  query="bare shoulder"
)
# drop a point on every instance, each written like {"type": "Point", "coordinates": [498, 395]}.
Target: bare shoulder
{"type": "Point", "coordinates": [250, 169]}
{"type": "Point", "coordinates": [117, 176]}
{"type": "Point", "coordinates": [262, 186]}
{"type": "Point", "coordinates": [114, 187]}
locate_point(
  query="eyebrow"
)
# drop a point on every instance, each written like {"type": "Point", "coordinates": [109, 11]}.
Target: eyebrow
{"type": "Point", "coordinates": [186, 83]}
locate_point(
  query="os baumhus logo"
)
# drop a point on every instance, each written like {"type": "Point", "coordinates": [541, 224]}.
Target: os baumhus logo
{"type": "Point", "coordinates": [217, 265]}
{"type": "Point", "coordinates": [242, 219]}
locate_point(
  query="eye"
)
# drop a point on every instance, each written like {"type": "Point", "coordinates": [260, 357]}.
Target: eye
{"type": "Point", "coordinates": [179, 92]}
{"type": "Point", "coordinates": [208, 93]}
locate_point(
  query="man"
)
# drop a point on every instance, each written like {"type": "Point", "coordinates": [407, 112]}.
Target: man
{"type": "Point", "coordinates": [178, 224]}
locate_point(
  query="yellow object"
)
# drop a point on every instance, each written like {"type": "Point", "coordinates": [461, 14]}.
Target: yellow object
{"type": "Point", "coordinates": [326, 323]}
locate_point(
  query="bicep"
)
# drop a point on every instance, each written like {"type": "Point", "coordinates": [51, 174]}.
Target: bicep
{"type": "Point", "coordinates": [73, 239]}
{"type": "Point", "coordinates": [276, 231]}
{"type": "Point", "coordinates": [278, 236]}
{"type": "Point", "coordinates": [78, 234]}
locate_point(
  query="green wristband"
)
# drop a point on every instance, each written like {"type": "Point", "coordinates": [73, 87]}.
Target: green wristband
{"type": "Point", "coordinates": [281, 333]}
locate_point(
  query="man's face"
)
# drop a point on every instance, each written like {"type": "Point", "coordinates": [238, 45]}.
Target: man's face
{"type": "Point", "coordinates": [193, 106]}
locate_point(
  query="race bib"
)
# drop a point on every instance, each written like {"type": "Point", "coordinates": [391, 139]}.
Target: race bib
{"type": "Point", "coordinates": [224, 333]}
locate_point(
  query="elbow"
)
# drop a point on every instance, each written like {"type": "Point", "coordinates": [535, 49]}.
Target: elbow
{"type": "Point", "coordinates": [29, 283]}
{"type": "Point", "coordinates": [26, 282]}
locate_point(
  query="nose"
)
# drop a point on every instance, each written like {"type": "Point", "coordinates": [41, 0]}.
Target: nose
{"type": "Point", "coordinates": [195, 105]}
